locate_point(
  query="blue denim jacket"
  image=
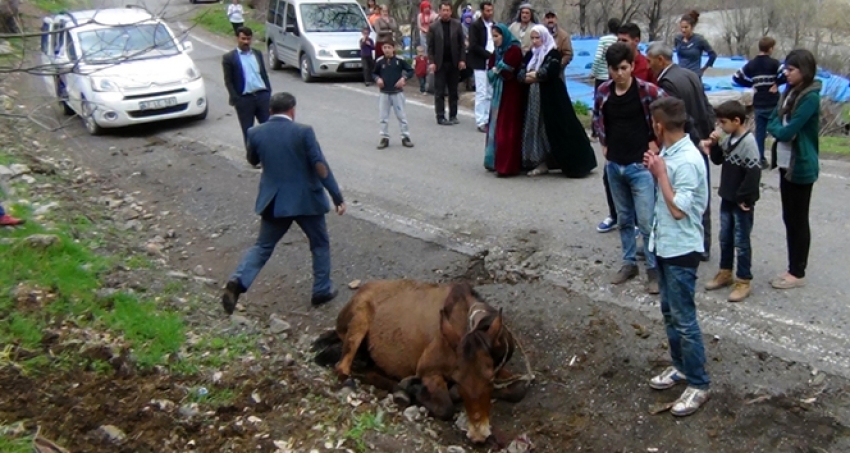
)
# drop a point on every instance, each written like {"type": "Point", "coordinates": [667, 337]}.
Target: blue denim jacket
{"type": "Point", "coordinates": [686, 170]}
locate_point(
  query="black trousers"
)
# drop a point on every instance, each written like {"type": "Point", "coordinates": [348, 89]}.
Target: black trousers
{"type": "Point", "coordinates": [251, 106]}
{"type": "Point", "coordinates": [368, 66]}
{"type": "Point", "coordinates": [596, 83]}
{"type": "Point", "coordinates": [612, 210]}
{"type": "Point", "coordinates": [448, 76]}
{"type": "Point", "coordinates": [236, 26]}
{"type": "Point", "coordinates": [796, 199]}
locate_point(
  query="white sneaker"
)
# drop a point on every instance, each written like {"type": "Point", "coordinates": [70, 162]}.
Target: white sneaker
{"type": "Point", "coordinates": [667, 379]}
{"type": "Point", "coordinates": [690, 401]}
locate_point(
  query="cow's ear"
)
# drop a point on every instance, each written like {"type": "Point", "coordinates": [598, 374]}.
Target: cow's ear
{"type": "Point", "coordinates": [495, 329]}
{"type": "Point", "coordinates": [447, 330]}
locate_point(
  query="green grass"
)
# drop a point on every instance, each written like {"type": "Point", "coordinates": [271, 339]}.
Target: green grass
{"type": "Point", "coordinates": [839, 144]}
{"type": "Point", "coordinates": [214, 18]}
{"type": "Point", "coordinates": [365, 422]}
{"type": "Point", "coordinates": [55, 6]}
{"type": "Point", "coordinates": [16, 445]}
{"type": "Point", "coordinates": [154, 332]}
{"type": "Point", "coordinates": [214, 397]}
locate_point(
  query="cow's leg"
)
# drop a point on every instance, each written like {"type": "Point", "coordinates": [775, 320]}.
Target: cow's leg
{"type": "Point", "coordinates": [358, 327]}
{"type": "Point", "coordinates": [513, 393]}
{"type": "Point", "coordinates": [434, 396]}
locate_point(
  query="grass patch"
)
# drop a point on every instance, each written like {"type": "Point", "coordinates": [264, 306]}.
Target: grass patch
{"type": "Point", "coordinates": [363, 423]}
{"type": "Point", "coordinates": [55, 6]}
{"type": "Point", "coordinates": [213, 397]}
{"type": "Point", "coordinates": [835, 144]}
{"type": "Point", "coordinates": [15, 445]}
{"type": "Point", "coordinates": [214, 18]}
{"type": "Point", "coordinates": [154, 333]}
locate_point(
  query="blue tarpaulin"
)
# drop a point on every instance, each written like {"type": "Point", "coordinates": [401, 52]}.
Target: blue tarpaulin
{"type": "Point", "coordinates": [580, 86]}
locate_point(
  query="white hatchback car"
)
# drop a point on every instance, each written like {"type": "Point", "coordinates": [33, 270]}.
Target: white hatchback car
{"type": "Point", "coordinates": [122, 66]}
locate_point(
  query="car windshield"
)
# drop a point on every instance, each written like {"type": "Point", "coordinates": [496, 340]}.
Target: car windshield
{"type": "Point", "coordinates": [332, 17]}
{"type": "Point", "coordinates": [125, 42]}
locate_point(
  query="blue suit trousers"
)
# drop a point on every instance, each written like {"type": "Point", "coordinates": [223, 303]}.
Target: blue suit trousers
{"type": "Point", "coordinates": [271, 232]}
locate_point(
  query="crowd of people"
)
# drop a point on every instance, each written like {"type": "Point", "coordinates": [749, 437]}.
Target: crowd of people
{"type": "Point", "coordinates": [658, 132]}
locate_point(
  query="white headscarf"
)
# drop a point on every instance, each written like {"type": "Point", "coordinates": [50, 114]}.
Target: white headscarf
{"type": "Point", "coordinates": [539, 53]}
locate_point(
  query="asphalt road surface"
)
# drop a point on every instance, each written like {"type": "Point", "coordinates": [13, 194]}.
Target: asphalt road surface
{"type": "Point", "coordinates": [440, 192]}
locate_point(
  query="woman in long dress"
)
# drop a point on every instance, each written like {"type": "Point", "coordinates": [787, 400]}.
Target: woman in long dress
{"type": "Point", "coordinates": [553, 136]}
{"type": "Point", "coordinates": [503, 151]}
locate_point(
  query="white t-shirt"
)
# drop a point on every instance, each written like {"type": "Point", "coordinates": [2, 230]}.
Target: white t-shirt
{"type": "Point", "coordinates": [490, 47]}
{"type": "Point", "coordinates": [234, 13]}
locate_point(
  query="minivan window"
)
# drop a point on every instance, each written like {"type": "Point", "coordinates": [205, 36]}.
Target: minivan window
{"type": "Point", "coordinates": [332, 17]}
{"type": "Point", "coordinates": [290, 17]}
{"type": "Point", "coordinates": [126, 42]}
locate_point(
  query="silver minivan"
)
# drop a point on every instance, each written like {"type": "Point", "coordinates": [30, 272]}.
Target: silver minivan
{"type": "Point", "coordinates": [320, 37]}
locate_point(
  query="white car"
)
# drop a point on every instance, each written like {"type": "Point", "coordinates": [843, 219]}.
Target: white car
{"type": "Point", "coordinates": [122, 66]}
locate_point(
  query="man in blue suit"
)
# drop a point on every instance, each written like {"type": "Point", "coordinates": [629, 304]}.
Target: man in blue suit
{"type": "Point", "coordinates": [295, 176]}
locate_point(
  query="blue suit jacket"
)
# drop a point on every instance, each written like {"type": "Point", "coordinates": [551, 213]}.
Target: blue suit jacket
{"type": "Point", "coordinates": [289, 153]}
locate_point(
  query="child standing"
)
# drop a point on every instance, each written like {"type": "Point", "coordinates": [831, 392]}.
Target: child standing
{"type": "Point", "coordinates": [367, 46]}
{"type": "Point", "coordinates": [420, 65]}
{"type": "Point", "coordinates": [763, 73]}
{"type": "Point", "coordinates": [391, 73]}
{"type": "Point", "coordinates": [676, 240]}
{"type": "Point", "coordinates": [739, 191]}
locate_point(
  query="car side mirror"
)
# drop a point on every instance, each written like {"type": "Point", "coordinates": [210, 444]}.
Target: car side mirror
{"type": "Point", "coordinates": [188, 46]}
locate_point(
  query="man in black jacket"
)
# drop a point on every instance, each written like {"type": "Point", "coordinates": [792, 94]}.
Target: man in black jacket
{"type": "Point", "coordinates": [684, 84]}
{"type": "Point", "coordinates": [445, 55]}
{"type": "Point", "coordinates": [247, 82]}
{"type": "Point", "coordinates": [480, 48]}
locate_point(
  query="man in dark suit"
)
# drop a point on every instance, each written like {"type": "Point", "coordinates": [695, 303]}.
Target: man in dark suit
{"type": "Point", "coordinates": [247, 82]}
{"type": "Point", "coordinates": [295, 175]}
{"type": "Point", "coordinates": [480, 48]}
{"type": "Point", "coordinates": [446, 54]}
{"type": "Point", "coordinates": [686, 85]}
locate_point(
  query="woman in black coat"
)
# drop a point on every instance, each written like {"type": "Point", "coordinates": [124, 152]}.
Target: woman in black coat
{"type": "Point", "coordinates": [553, 136]}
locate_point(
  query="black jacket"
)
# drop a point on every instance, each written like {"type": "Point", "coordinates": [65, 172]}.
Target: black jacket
{"type": "Point", "coordinates": [436, 41]}
{"type": "Point", "coordinates": [684, 84]}
{"type": "Point", "coordinates": [390, 70]}
{"type": "Point", "coordinates": [234, 81]}
{"type": "Point", "coordinates": [477, 56]}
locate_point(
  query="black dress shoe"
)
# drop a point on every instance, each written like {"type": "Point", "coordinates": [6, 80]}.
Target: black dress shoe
{"type": "Point", "coordinates": [453, 120]}
{"type": "Point", "coordinates": [443, 122]}
{"type": "Point", "coordinates": [704, 256]}
{"type": "Point", "coordinates": [320, 299]}
{"type": "Point", "coordinates": [231, 295]}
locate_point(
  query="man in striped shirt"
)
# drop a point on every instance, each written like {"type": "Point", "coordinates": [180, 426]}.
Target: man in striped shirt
{"type": "Point", "coordinates": [600, 76]}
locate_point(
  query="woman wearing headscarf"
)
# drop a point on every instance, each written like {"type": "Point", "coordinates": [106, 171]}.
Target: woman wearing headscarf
{"type": "Point", "coordinates": [503, 151]}
{"type": "Point", "coordinates": [425, 18]}
{"type": "Point", "coordinates": [553, 136]}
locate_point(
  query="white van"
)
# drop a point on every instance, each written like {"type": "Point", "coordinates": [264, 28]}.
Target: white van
{"type": "Point", "coordinates": [320, 37]}
{"type": "Point", "coordinates": [119, 67]}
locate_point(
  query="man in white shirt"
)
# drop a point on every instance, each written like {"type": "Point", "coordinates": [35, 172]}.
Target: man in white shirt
{"type": "Point", "coordinates": [480, 49]}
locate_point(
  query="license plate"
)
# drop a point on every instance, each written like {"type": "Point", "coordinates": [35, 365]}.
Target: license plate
{"type": "Point", "coordinates": [355, 65]}
{"type": "Point", "coordinates": [158, 104]}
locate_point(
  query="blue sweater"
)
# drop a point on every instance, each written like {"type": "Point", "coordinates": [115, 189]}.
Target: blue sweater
{"type": "Point", "coordinates": [761, 73]}
{"type": "Point", "coordinates": [690, 53]}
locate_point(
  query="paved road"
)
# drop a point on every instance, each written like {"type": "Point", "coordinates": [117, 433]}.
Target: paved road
{"type": "Point", "coordinates": [439, 191]}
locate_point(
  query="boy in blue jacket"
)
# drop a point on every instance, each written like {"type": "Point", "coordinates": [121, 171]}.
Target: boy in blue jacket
{"type": "Point", "coordinates": [391, 74]}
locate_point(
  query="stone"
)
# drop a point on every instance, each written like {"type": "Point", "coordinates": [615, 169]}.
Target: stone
{"type": "Point", "coordinates": [199, 270]}
{"type": "Point", "coordinates": [42, 210]}
{"type": "Point", "coordinates": [176, 274]}
{"type": "Point", "coordinates": [239, 320]}
{"type": "Point", "coordinates": [278, 326]}
{"type": "Point", "coordinates": [412, 414]}
{"type": "Point", "coordinates": [189, 410]}
{"type": "Point", "coordinates": [354, 284]}
{"type": "Point", "coordinates": [19, 169]}
{"type": "Point", "coordinates": [134, 225]}
{"type": "Point", "coordinates": [6, 171]}
{"type": "Point", "coordinates": [455, 449]}
{"type": "Point", "coordinates": [163, 405]}
{"type": "Point", "coordinates": [41, 241]}
{"type": "Point", "coordinates": [112, 433]}
{"type": "Point", "coordinates": [28, 179]}
{"type": "Point", "coordinates": [153, 249]}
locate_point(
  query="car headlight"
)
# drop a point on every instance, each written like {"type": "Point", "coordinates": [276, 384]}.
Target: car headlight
{"type": "Point", "coordinates": [325, 53]}
{"type": "Point", "coordinates": [104, 84]}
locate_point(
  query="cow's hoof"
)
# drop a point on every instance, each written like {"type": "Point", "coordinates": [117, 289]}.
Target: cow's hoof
{"type": "Point", "coordinates": [350, 383]}
{"type": "Point", "coordinates": [409, 384]}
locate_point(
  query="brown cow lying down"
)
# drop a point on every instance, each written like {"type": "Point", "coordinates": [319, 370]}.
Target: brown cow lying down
{"type": "Point", "coordinates": [434, 335]}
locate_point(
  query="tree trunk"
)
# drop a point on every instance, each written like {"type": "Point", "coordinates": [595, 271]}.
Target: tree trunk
{"type": "Point", "coordinates": [582, 16]}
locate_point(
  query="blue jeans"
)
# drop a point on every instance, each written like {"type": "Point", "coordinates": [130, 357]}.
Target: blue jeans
{"type": "Point", "coordinates": [633, 190]}
{"type": "Point", "coordinates": [271, 232]}
{"type": "Point", "coordinates": [2, 212]}
{"type": "Point", "coordinates": [687, 350]}
{"type": "Point", "coordinates": [735, 228]}
{"type": "Point", "coordinates": [762, 117]}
